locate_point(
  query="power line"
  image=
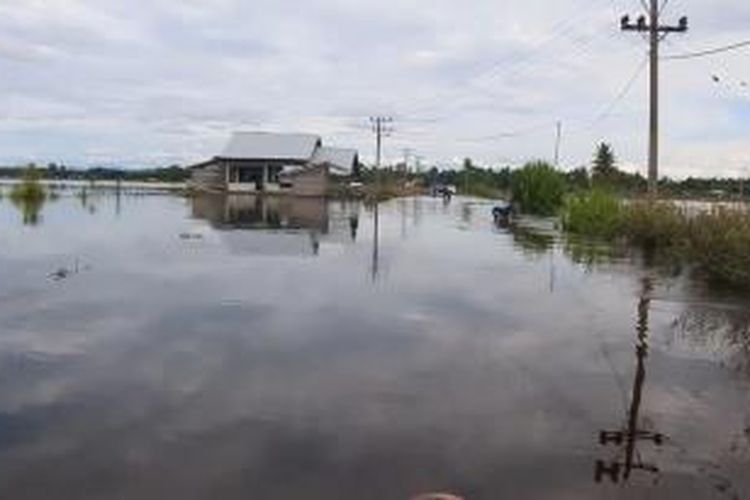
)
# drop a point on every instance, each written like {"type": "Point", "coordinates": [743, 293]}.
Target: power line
{"type": "Point", "coordinates": [510, 134]}
{"type": "Point", "coordinates": [621, 95]}
{"type": "Point", "coordinates": [710, 52]}
{"type": "Point", "coordinates": [559, 29]}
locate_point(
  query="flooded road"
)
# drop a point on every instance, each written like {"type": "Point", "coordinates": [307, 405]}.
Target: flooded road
{"type": "Point", "coordinates": [155, 347]}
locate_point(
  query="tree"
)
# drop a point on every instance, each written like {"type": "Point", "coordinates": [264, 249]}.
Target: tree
{"type": "Point", "coordinates": [579, 178]}
{"type": "Point", "coordinates": [604, 163]}
{"type": "Point", "coordinates": [357, 170]}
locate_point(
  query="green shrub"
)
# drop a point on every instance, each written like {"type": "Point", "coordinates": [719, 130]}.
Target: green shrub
{"type": "Point", "coordinates": [720, 245]}
{"type": "Point", "coordinates": [538, 188]}
{"type": "Point", "coordinates": [595, 213]}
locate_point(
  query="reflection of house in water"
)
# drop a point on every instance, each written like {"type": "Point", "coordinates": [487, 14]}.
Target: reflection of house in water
{"type": "Point", "coordinates": [282, 225]}
{"type": "Point", "coordinates": [626, 439]}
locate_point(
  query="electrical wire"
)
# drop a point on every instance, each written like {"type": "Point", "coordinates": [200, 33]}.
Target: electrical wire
{"type": "Point", "coordinates": [710, 52]}
{"type": "Point", "coordinates": [621, 95]}
{"type": "Point", "coordinates": [560, 29]}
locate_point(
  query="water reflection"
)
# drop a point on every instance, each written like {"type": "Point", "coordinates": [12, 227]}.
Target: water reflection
{"type": "Point", "coordinates": [722, 327]}
{"type": "Point", "coordinates": [375, 267]}
{"type": "Point", "coordinates": [262, 212]}
{"type": "Point", "coordinates": [354, 225]}
{"type": "Point", "coordinates": [276, 225]}
{"type": "Point", "coordinates": [591, 252]}
{"type": "Point", "coordinates": [179, 369]}
{"type": "Point", "coordinates": [30, 208]}
{"type": "Point", "coordinates": [532, 240]}
{"type": "Point", "coordinates": [628, 458]}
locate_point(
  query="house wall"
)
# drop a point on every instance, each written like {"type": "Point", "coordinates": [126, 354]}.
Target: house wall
{"type": "Point", "coordinates": [241, 187]}
{"type": "Point", "coordinates": [208, 178]}
{"type": "Point", "coordinates": [215, 176]}
{"type": "Point", "coordinates": [312, 182]}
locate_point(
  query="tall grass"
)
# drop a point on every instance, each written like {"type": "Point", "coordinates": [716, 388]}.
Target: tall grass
{"type": "Point", "coordinates": [720, 245]}
{"type": "Point", "coordinates": [538, 188]}
{"type": "Point", "coordinates": [716, 243]}
{"type": "Point", "coordinates": [655, 225]}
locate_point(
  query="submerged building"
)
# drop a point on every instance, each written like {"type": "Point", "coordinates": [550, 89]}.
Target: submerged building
{"type": "Point", "coordinates": [264, 162]}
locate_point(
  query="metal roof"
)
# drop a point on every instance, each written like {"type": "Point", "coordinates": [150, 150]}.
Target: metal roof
{"type": "Point", "coordinates": [338, 158]}
{"type": "Point", "coordinates": [270, 146]}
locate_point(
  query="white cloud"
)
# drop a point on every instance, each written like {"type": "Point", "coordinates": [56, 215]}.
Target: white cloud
{"type": "Point", "coordinates": [141, 81]}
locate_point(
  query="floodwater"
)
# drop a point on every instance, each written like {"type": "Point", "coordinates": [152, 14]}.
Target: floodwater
{"type": "Point", "coordinates": [155, 347]}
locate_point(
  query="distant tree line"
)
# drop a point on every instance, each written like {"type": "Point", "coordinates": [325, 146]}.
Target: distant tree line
{"type": "Point", "coordinates": [603, 172]}
{"type": "Point", "coordinates": [55, 171]}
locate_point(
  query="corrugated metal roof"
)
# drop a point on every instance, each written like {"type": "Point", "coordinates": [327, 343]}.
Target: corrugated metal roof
{"type": "Point", "coordinates": [338, 158]}
{"type": "Point", "coordinates": [270, 146]}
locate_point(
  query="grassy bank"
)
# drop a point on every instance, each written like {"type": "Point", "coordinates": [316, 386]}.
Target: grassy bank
{"type": "Point", "coordinates": [716, 243]}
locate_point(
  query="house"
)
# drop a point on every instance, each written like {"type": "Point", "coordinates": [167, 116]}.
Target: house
{"type": "Point", "coordinates": [267, 162]}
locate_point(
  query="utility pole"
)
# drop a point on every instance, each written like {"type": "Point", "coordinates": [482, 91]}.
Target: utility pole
{"type": "Point", "coordinates": [408, 152]}
{"type": "Point", "coordinates": [656, 34]}
{"type": "Point", "coordinates": [557, 144]}
{"type": "Point", "coordinates": [418, 163]}
{"type": "Point", "coordinates": [381, 128]}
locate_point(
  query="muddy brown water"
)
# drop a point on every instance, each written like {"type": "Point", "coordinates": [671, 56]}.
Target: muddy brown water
{"type": "Point", "coordinates": [154, 347]}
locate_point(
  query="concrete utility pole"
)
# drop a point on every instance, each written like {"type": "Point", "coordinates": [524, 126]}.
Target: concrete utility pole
{"type": "Point", "coordinates": [557, 144]}
{"type": "Point", "coordinates": [656, 33]}
{"type": "Point", "coordinates": [418, 163]}
{"type": "Point", "coordinates": [408, 152]}
{"type": "Point", "coordinates": [380, 125]}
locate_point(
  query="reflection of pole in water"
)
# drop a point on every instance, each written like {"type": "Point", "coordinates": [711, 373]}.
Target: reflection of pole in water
{"type": "Point", "coordinates": [315, 242]}
{"type": "Point", "coordinates": [375, 236]}
{"type": "Point", "coordinates": [118, 197]}
{"type": "Point", "coordinates": [630, 436]}
{"type": "Point", "coordinates": [416, 211]}
{"type": "Point", "coordinates": [402, 209]}
{"type": "Point", "coordinates": [552, 270]}
{"type": "Point", "coordinates": [353, 226]}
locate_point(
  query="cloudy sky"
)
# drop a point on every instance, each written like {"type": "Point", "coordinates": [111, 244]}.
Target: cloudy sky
{"type": "Point", "coordinates": [151, 82]}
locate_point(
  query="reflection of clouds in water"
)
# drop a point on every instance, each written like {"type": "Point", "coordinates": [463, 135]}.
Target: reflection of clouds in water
{"type": "Point", "coordinates": [180, 369]}
{"type": "Point", "coordinates": [215, 381]}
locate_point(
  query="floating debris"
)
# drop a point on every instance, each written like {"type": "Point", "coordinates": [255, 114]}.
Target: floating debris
{"type": "Point", "coordinates": [60, 274]}
{"type": "Point", "coordinates": [65, 272]}
{"type": "Point", "coordinates": [191, 236]}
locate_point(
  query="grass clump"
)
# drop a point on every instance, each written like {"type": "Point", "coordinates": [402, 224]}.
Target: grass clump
{"type": "Point", "coordinates": [29, 190]}
{"type": "Point", "coordinates": [655, 225]}
{"type": "Point", "coordinates": [29, 196]}
{"type": "Point", "coordinates": [596, 213]}
{"type": "Point", "coordinates": [538, 188]}
{"type": "Point", "coordinates": [720, 245]}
